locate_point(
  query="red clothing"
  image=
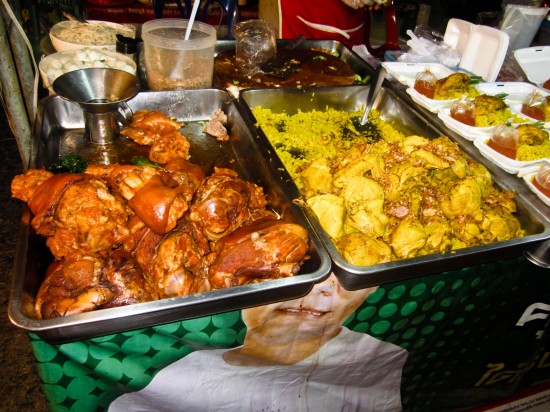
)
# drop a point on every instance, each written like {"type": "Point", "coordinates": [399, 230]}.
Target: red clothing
{"type": "Point", "coordinates": [301, 17]}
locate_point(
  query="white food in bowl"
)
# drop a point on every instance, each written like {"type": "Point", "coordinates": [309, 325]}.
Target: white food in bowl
{"type": "Point", "coordinates": [71, 35]}
{"type": "Point", "coordinates": [56, 64]}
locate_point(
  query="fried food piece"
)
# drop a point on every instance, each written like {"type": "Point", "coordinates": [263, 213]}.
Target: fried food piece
{"type": "Point", "coordinates": [408, 237]}
{"type": "Point", "coordinates": [452, 86]}
{"type": "Point", "coordinates": [364, 201]}
{"type": "Point", "coordinates": [486, 104]}
{"type": "Point", "coordinates": [531, 135]}
{"type": "Point", "coordinates": [362, 250]}
{"type": "Point", "coordinates": [147, 125]}
{"type": "Point", "coordinates": [168, 146]}
{"type": "Point", "coordinates": [24, 185]}
{"type": "Point", "coordinates": [331, 211]}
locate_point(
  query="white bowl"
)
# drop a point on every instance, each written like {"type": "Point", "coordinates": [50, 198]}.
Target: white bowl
{"type": "Point", "coordinates": [72, 35]}
{"type": "Point", "coordinates": [54, 65]}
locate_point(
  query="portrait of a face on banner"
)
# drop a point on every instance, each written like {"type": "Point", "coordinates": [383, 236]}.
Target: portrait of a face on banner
{"type": "Point", "coordinates": [296, 355]}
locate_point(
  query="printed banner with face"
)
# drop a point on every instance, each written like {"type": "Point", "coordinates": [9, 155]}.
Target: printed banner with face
{"type": "Point", "coordinates": [445, 342]}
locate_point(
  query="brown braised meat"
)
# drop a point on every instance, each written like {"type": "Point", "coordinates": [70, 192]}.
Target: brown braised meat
{"type": "Point", "coordinates": [157, 198]}
{"type": "Point", "coordinates": [148, 125]}
{"type": "Point", "coordinates": [77, 213]}
{"type": "Point", "coordinates": [82, 283]}
{"type": "Point", "coordinates": [267, 248]}
{"type": "Point", "coordinates": [224, 202]}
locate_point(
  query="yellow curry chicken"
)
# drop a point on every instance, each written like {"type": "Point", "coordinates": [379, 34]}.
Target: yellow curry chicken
{"type": "Point", "coordinates": [405, 196]}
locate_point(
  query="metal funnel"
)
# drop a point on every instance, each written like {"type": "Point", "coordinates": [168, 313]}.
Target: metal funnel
{"type": "Point", "coordinates": [97, 88]}
{"type": "Point", "coordinates": [102, 94]}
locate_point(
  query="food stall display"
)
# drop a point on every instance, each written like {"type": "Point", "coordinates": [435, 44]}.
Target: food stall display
{"type": "Point", "coordinates": [407, 331]}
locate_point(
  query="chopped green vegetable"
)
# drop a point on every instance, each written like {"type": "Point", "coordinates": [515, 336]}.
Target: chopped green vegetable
{"type": "Point", "coordinates": [319, 57]}
{"type": "Point", "coordinates": [501, 96]}
{"type": "Point", "coordinates": [202, 123]}
{"type": "Point", "coordinates": [361, 80]}
{"type": "Point", "coordinates": [475, 79]}
{"type": "Point", "coordinates": [143, 161]}
{"type": "Point", "coordinates": [70, 163]}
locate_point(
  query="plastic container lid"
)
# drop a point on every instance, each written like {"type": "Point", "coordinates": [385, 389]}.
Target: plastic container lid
{"type": "Point", "coordinates": [485, 52]}
{"type": "Point", "coordinates": [457, 34]}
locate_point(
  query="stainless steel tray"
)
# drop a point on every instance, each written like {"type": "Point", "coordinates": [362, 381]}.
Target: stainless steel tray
{"type": "Point", "coordinates": [59, 129]}
{"type": "Point", "coordinates": [349, 98]}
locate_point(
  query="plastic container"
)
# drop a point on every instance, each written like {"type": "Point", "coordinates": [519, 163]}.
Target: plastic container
{"type": "Point", "coordinates": [95, 35]}
{"type": "Point", "coordinates": [521, 23]}
{"type": "Point", "coordinates": [171, 62]}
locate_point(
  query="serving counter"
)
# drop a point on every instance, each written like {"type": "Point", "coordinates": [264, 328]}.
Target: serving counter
{"type": "Point", "coordinates": [444, 338]}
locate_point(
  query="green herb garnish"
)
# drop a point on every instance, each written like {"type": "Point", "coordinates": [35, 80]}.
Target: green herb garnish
{"type": "Point", "coordinates": [475, 79]}
{"type": "Point", "coordinates": [361, 80]}
{"type": "Point", "coordinates": [501, 96]}
{"type": "Point", "coordinates": [319, 57]}
{"type": "Point", "coordinates": [143, 161]}
{"type": "Point", "coordinates": [70, 163]}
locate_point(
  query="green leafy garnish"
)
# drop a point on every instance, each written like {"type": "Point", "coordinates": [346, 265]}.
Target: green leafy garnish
{"type": "Point", "coordinates": [361, 80]}
{"type": "Point", "coordinates": [475, 79]}
{"type": "Point", "coordinates": [70, 163]}
{"type": "Point", "coordinates": [319, 57]}
{"type": "Point", "coordinates": [202, 123]}
{"type": "Point", "coordinates": [143, 161]}
{"type": "Point", "coordinates": [501, 96]}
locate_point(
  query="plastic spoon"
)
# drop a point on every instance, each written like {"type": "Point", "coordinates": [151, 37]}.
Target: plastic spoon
{"type": "Point", "coordinates": [192, 19]}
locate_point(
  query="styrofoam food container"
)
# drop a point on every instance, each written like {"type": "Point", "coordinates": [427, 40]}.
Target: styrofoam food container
{"type": "Point", "coordinates": [432, 105]}
{"type": "Point", "coordinates": [535, 63]}
{"type": "Point", "coordinates": [472, 132]}
{"type": "Point", "coordinates": [528, 175]}
{"type": "Point", "coordinates": [516, 92]}
{"type": "Point", "coordinates": [90, 41]}
{"type": "Point", "coordinates": [54, 65]}
{"type": "Point", "coordinates": [485, 52]}
{"type": "Point", "coordinates": [406, 73]}
{"type": "Point", "coordinates": [505, 163]}
{"type": "Point", "coordinates": [457, 34]}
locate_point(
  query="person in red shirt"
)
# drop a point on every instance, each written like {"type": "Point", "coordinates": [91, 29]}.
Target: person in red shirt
{"type": "Point", "coordinates": [346, 21]}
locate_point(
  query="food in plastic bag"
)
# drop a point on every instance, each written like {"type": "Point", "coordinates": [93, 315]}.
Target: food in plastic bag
{"type": "Point", "coordinates": [537, 107]}
{"type": "Point", "coordinates": [255, 44]}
